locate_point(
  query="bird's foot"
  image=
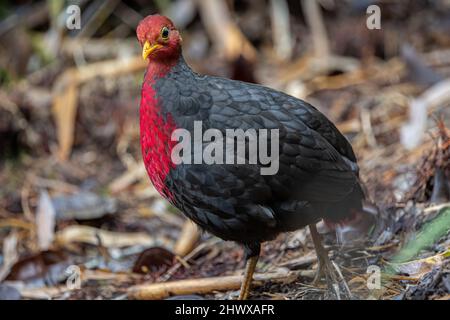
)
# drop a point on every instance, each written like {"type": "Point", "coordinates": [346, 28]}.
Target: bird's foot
{"type": "Point", "coordinates": [326, 269]}
{"type": "Point", "coordinates": [252, 258]}
{"type": "Point", "coordinates": [333, 278]}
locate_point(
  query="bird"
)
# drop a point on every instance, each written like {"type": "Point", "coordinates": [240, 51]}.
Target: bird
{"type": "Point", "coordinates": [317, 177]}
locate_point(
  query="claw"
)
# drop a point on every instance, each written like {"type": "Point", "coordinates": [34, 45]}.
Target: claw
{"type": "Point", "coordinates": [325, 266]}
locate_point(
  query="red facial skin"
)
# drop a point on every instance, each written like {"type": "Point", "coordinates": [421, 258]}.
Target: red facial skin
{"type": "Point", "coordinates": [149, 29]}
{"type": "Point", "coordinates": [156, 131]}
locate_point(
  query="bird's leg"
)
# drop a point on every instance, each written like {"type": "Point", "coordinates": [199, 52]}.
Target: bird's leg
{"type": "Point", "coordinates": [248, 276]}
{"type": "Point", "coordinates": [252, 255]}
{"type": "Point", "coordinates": [325, 266]}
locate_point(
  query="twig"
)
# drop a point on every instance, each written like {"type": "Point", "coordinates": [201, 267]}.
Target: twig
{"type": "Point", "coordinates": [169, 273]}
{"type": "Point", "coordinates": [336, 267]}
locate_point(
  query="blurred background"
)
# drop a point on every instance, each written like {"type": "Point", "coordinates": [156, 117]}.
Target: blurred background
{"type": "Point", "coordinates": [77, 210]}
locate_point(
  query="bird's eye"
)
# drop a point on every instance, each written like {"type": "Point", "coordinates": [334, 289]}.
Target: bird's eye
{"type": "Point", "coordinates": [165, 33]}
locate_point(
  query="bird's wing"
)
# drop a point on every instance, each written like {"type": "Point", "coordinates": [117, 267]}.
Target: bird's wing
{"type": "Point", "coordinates": [254, 98]}
{"type": "Point", "coordinates": [315, 158]}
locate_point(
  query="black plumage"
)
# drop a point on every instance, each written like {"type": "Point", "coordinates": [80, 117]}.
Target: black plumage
{"type": "Point", "coordinates": [318, 174]}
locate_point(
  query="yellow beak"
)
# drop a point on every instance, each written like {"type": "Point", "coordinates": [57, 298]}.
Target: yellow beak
{"type": "Point", "coordinates": [148, 49]}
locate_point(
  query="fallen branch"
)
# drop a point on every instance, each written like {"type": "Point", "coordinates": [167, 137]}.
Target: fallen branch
{"type": "Point", "coordinates": [207, 285]}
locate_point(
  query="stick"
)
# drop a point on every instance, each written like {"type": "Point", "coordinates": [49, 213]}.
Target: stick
{"type": "Point", "coordinates": [206, 285]}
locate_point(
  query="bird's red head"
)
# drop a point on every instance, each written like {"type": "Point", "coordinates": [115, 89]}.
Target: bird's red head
{"type": "Point", "coordinates": [159, 38]}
